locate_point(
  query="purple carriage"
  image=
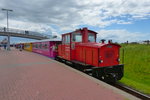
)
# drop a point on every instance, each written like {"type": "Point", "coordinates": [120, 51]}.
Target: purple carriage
{"type": "Point", "coordinates": [48, 47]}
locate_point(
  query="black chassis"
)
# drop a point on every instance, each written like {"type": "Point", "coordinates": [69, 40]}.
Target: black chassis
{"type": "Point", "coordinates": [109, 73]}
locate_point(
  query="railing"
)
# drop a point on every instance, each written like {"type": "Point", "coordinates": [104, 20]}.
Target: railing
{"type": "Point", "coordinates": [24, 32]}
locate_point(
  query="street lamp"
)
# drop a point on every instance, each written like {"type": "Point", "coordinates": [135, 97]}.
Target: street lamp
{"type": "Point", "coordinates": [8, 43]}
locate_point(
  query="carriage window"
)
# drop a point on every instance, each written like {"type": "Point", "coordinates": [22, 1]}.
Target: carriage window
{"type": "Point", "coordinates": [33, 45]}
{"type": "Point", "coordinates": [91, 37]}
{"type": "Point", "coordinates": [45, 46]}
{"type": "Point", "coordinates": [27, 45]}
{"type": "Point", "coordinates": [77, 37]}
{"type": "Point", "coordinates": [40, 46]}
{"type": "Point", "coordinates": [36, 46]}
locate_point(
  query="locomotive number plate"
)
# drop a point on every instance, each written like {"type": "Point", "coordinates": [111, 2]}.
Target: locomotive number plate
{"type": "Point", "coordinates": [109, 46]}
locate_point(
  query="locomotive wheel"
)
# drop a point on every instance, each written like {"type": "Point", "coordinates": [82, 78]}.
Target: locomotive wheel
{"type": "Point", "coordinates": [56, 58]}
{"type": "Point", "coordinates": [73, 65]}
{"type": "Point", "coordinates": [94, 74]}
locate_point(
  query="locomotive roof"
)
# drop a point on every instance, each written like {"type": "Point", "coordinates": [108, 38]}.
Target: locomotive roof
{"type": "Point", "coordinates": [78, 30]}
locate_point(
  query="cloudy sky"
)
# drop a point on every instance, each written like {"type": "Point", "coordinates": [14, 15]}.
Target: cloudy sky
{"type": "Point", "coordinates": [119, 20]}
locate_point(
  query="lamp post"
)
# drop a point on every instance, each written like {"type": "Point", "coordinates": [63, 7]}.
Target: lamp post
{"type": "Point", "coordinates": [8, 42]}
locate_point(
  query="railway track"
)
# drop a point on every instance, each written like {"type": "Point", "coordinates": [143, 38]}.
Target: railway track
{"type": "Point", "coordinates": [131, 91]}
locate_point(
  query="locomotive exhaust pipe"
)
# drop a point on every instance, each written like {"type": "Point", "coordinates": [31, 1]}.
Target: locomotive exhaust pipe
{"type": "Point", "coordinates": [103, 40]}
{"type": "Point", "coordinates": [109, 41]}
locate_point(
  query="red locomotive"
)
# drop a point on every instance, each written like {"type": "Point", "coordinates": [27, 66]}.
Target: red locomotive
{"type": "Point", "coordinates": [80, 48]}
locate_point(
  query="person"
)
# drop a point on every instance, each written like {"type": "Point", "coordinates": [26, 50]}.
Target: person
{"type": "Point", "coordinates": [54, 48]}
{"type": "Point", "coordinates": [5, 46]}
{"type": "Point", "coordinates": [20, 47]}
{"type": "Point", "coordinates": [4, 29]}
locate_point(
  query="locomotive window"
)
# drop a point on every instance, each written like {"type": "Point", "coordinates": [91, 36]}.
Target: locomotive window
{"type": "Point", "coordinates": [63, 40]}
{"type": "Point", "coordinates": [109, 46]}
{"type": "Point", "coordinates": [91, 37]}
{"type": "Point", "coordinates": [77, 37]}
{"type": "Point", "coordinates": [67, 39]}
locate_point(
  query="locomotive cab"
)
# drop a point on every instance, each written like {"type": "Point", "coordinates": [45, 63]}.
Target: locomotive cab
{"type": "Point", "coordinates": [67, 50]}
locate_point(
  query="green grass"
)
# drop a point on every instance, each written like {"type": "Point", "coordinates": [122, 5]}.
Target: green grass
{"type": "Point", "coordinates": [137, 66]}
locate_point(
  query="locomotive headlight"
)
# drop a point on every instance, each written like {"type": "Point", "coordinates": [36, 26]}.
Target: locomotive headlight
{"type": "Point", "coordinates": [118, 60]}
{"type": "Point", "coordinates": [101, 61]}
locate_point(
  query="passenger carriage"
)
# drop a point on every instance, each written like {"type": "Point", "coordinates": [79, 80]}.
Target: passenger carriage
{"type": "Point", "coordinates": [46, 47]}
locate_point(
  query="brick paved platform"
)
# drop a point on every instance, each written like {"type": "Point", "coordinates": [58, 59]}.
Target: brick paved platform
{"type": "Point", "coordinates": [30, 76]}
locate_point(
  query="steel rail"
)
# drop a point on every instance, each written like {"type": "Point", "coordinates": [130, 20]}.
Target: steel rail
{"type": "Point", "coordinates": [131, 91]}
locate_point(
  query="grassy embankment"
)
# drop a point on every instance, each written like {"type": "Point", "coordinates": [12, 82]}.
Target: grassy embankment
{"type": "Point", "coordinates": [137, 66]}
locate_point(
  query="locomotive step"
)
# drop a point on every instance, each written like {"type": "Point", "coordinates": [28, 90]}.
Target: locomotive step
{"type": "Point", "coordinates": [87, 70]}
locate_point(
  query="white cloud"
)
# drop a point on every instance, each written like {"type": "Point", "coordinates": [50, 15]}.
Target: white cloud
{"type": "Point", "coordinates": [41, 15]}
{"type": "Point", "coordinates": [71, 13]}
{"type": "Point", "coordinates": [122, 35]}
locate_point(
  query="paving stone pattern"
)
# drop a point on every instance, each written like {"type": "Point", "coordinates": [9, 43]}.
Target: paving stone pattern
{"type": "Point", "coordinates": [30, 76]}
